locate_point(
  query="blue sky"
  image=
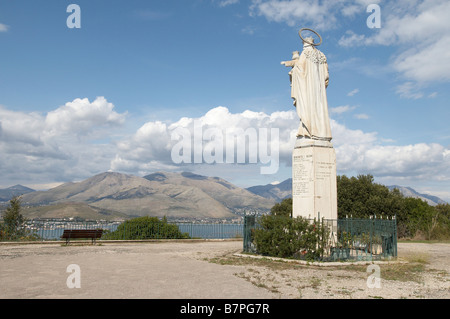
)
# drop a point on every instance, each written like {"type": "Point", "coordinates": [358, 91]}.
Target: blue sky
{"type": "Point", "coordinates": [75, 102]}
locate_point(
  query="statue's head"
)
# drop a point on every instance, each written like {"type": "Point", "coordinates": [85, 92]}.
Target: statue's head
{"type": "Point", "coordinates": [308, 41]}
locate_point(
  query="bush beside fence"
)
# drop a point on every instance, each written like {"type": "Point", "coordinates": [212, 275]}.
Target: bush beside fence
{"type": "Point", "coordinates": [324, 240]}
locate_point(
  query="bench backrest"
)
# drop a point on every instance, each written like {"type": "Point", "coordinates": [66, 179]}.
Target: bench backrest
{"type": "Point", "coordinates": [82, 233]}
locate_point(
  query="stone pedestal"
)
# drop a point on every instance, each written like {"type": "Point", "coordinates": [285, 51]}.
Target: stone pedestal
{"type": "Point", "coordinates": [314, 191]}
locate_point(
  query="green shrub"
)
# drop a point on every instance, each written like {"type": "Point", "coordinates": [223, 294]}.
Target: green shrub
{"type": "Point", "coordinates": [286, 237]}
{"type": "Point", "coordinates": [146, 228]}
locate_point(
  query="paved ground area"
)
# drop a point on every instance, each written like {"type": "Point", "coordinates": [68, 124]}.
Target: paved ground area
{"type": "Point", "coordinates": [209, 269]}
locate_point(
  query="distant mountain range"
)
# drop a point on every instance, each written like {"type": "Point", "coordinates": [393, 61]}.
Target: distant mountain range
{"type": "Point", "coordinates": [174, 195]}
{"type": "Point", "coordinates": [116, 196]}
{"type": "Point", "coordinates": [409, 192]}
{"type": "Point", "coordinates": [276, 192]}
{"type": "Point", "coordinates": [7, 193]}
{"type": "Point", "coordinates": [283, 190]}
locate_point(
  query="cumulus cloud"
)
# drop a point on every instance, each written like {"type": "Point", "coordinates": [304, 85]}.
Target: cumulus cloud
{"type": "Point", "coordinates": [421, 32]}
{"type": "Point", "coordinates": [60, 144]}
{"type": "Point", "coordinates": [205, 138]}
{"type": "Point", "coordinates": [31, 149]}
{"type": "Point", "coordinates": [320, 15]}
{"type": "Point", "coordinates": [82, 117]}
{"type": "Point", "coordinates": [357, 151]}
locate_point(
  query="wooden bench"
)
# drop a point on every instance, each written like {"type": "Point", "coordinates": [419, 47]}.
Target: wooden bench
{"type": "Point", "coordinates": [93, 234]}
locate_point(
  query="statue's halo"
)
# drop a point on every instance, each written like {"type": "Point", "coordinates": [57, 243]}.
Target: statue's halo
{"type": "Point", "coordinates": [307, 29]}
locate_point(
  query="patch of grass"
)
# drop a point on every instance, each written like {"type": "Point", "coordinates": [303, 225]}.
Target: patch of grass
{"type": "Point", "coordinates": [414, 241]}
{"type": "Point", "coordinates": [403, 272]}
{"type": "Point", "coordinates": [344, 291]}
{"type": "Point", "coordinates": [258, 282]}
{"type": "Point", "coordinates": [421, 258]}
{"type": "Point", "coordinates": [257, 262]}
{"type": "Point", "coordinates": [439, 272]}
{"type": "Point", "coordinates": [315, 282]}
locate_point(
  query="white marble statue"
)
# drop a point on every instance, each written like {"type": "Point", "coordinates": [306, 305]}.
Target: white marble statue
{"type": "Point", "coordinates": [309, 80]}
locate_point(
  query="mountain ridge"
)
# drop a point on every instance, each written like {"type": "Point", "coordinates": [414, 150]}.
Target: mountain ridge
{"type": "Point", "coordinates": [7, 193]}
{"type": "Point", "coordinates": [283, 190]}
{"type": "Point", "coordinates": [174, 195]}
{"type": "Point", "coordinates": [410, 192]}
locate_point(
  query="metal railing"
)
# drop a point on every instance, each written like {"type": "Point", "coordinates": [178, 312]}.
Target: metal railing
{"type": "Point", "coordinates": [349, 238]}
{"type": "Point", "coordinates": [52, 229]}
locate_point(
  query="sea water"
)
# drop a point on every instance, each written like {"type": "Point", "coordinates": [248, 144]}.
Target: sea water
{"type": "Point", "coordinates": [195, 230]}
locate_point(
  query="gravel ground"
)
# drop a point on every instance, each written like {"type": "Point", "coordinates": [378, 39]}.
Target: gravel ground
{"type": "Point", "coordinates": [210, 270]}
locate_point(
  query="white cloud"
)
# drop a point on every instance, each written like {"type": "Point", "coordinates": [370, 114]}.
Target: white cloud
{"type": "Point", "coordinates": [430, 63]}
{"type": "Point", "coordinates": [409, 90]}
{"type": "Point", "coordinates": [351, 39]}
{"type": "Point", "coordinates": [341, 109]}
{"type": "Point", "coordinates": [317, 14]}
{"type": "Point", "coordinates": [59, 145]}
{"type": "Point", "coordinates": [409, 163]}
{"type": "Point", "coordinates": [320, 15]}
{"type": "Point", "coordinates": [45, 158]}
{"type": "Point", "coordinates": [343, 136]}
{"type": "Point", "coordinates": [420, 30]}
{"type": "Point", "coordinates": [352, 92]}
{"type": "Point", "coordinates": [81, 117]}
{"type": "Point", "coordinates": [3, 27]}
{"type": "Point", "coordinates": [361, 116]}
{"type": "Point", "coordinates": [357, 151]}
{"type": "Point", "coordinates": [153, 141]}
{"type": "Point", "coordinates": [225, 3]}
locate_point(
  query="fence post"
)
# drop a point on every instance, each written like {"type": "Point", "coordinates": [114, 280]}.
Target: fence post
{"type": "Point", "coordinates": [395, 235]}
{"type": "Point", "coordinates": [372, 225]}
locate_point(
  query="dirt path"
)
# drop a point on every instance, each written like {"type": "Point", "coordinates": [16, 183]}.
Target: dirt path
{"type": "Point", "coordinates": [209, 270]}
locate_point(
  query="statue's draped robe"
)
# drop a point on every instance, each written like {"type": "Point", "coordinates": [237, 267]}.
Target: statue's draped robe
{"type": "Point", "coordinates": [309, 77]}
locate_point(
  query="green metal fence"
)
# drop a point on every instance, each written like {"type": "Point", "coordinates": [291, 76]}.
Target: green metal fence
{"type": "Point", "coordinates": [349, 239]}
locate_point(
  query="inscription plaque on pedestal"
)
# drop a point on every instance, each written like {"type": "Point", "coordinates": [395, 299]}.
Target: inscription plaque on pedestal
{"type": "Point", "coordinates": [314, 180]}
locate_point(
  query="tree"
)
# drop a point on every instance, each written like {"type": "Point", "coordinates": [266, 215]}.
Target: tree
{"type": "Point", "coordinates": [146, 227]}
{"type": "Point", "coordinates": [284, 208]}
{"type": "Point", "coordinates": [360, 197]}
{"type": "Point", "coordinates": [442, 218]}
{"type": "Point", "coordinates": [13, 221]}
